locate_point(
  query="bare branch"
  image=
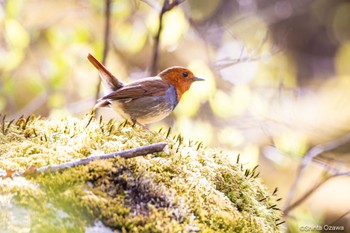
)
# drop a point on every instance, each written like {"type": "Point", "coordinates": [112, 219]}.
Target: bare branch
{"type": "Point", "coordinates": [340, 217]}
{"type": "Point", "coordinates": [32, 106]}
{"type": "Point", "coordinates": [329, 163]}
{"type": "Point", "coordinates": [320, 149]}
{"type": "Point", "coordinates": [105, 43]}
{"type": "Point", "coordinates": [167, 6]}
{"type": "Point", "coordinates": [140, 151]}
{"type": "Point", "coordinates": [345, 173]}
{"type": "Point", "coordinates": [224, 63]}
{"type": "Point", "coordinates": [324, 179]}
{"type": "Point", "coordinates": [308, 158]}
{"type": "Point", "coordinates": [330, 171]}
{"type": "Point", "coordinates": [305, 196]}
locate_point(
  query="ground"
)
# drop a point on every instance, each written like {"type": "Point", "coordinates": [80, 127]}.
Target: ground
{"type": "Point", "coordinates": [186, 188]}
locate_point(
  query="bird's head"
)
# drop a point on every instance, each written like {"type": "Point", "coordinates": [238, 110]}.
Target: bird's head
{"type": "Point", "coordinates": [180, 77]}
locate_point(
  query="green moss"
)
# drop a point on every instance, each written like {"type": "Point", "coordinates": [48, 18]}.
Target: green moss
{"type": "Point", "coordinates": [187, 189]}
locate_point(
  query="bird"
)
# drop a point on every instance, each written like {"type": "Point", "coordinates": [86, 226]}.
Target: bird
{"type": "Point", "coordinates": [147, 100]}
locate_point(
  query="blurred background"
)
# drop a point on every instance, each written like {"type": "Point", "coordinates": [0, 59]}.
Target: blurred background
{"type": "Point", "coordinates": [277, 78]}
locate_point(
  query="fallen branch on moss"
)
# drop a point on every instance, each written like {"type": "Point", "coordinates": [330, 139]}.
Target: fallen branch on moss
{"type": "Point", "coordinates": [127, 154]}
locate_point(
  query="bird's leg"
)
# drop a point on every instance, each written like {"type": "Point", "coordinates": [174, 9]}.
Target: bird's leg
{"type": "Point", "coordinates": [134, 122]}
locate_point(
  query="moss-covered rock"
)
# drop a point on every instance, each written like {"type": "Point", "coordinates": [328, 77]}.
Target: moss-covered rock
{"type": "Point", "coordinates": [187, 189]}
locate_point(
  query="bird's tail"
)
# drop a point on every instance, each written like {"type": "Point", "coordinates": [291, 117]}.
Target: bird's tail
{"type": "Point", "coordinates": [109, 82]}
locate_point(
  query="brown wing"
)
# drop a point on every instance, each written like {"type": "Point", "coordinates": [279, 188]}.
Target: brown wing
{"type": "Point", "coordinates": [146, 87]}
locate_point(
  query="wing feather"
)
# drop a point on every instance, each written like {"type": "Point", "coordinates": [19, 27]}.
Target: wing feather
{"type": "Point", "coordinates": [143, 88]}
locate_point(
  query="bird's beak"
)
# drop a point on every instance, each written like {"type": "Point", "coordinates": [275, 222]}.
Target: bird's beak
{"type": "Point", "coordinates": [197, 79]}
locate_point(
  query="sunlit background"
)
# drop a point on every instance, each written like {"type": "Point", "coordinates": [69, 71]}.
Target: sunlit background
{"type": "Point", "coordinates": [277, 77]}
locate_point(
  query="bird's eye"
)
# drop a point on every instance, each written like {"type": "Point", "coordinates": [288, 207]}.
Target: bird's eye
{"type": "Point", "coordinates": [185, 74]}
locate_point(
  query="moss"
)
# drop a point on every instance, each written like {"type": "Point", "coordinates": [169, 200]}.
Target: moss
{"type": "Point", "coordinates": [188, 189]}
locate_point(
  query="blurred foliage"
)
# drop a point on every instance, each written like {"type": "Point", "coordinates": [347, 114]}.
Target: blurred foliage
{"type": "Point", "coordinates": [277, 72]}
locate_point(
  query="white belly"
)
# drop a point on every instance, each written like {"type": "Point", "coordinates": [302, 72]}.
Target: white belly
{"type": "Point", "coordinates": [117, 107]}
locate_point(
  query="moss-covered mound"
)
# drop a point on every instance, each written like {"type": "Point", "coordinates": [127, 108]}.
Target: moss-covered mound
{"type": "Point", "coordinates": [189, 188]}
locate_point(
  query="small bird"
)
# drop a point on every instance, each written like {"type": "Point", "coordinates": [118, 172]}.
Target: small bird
{"type": "Point", "coordinates": [147, 100]}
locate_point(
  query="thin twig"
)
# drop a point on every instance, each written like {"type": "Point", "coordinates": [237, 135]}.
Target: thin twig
{"type": "Point", "coordinates": [167, 6]}
{"type": "Point", "coordinates": [340, 217]}
{"type": "Point", "coordinates": [224, 63]}
{"type": "Point", "coordinates": [32, 106]}
{"type": "Point", "coordinates": [140, 151]}
{"type": "Point", "coordinates": [105, 43]}
{"type": "Point", "coordinates": [317, 186]}
{"type": "Point", "coordinates": [335, 172]}
{"type": "Point", "coordinates": [345, 173]}
{"type": "Point", "coordinates": [306, 195]}
{"type": "Point", "coordinates": [309, 156]}
{"type": "Point", "coordinates": [325, 162]}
